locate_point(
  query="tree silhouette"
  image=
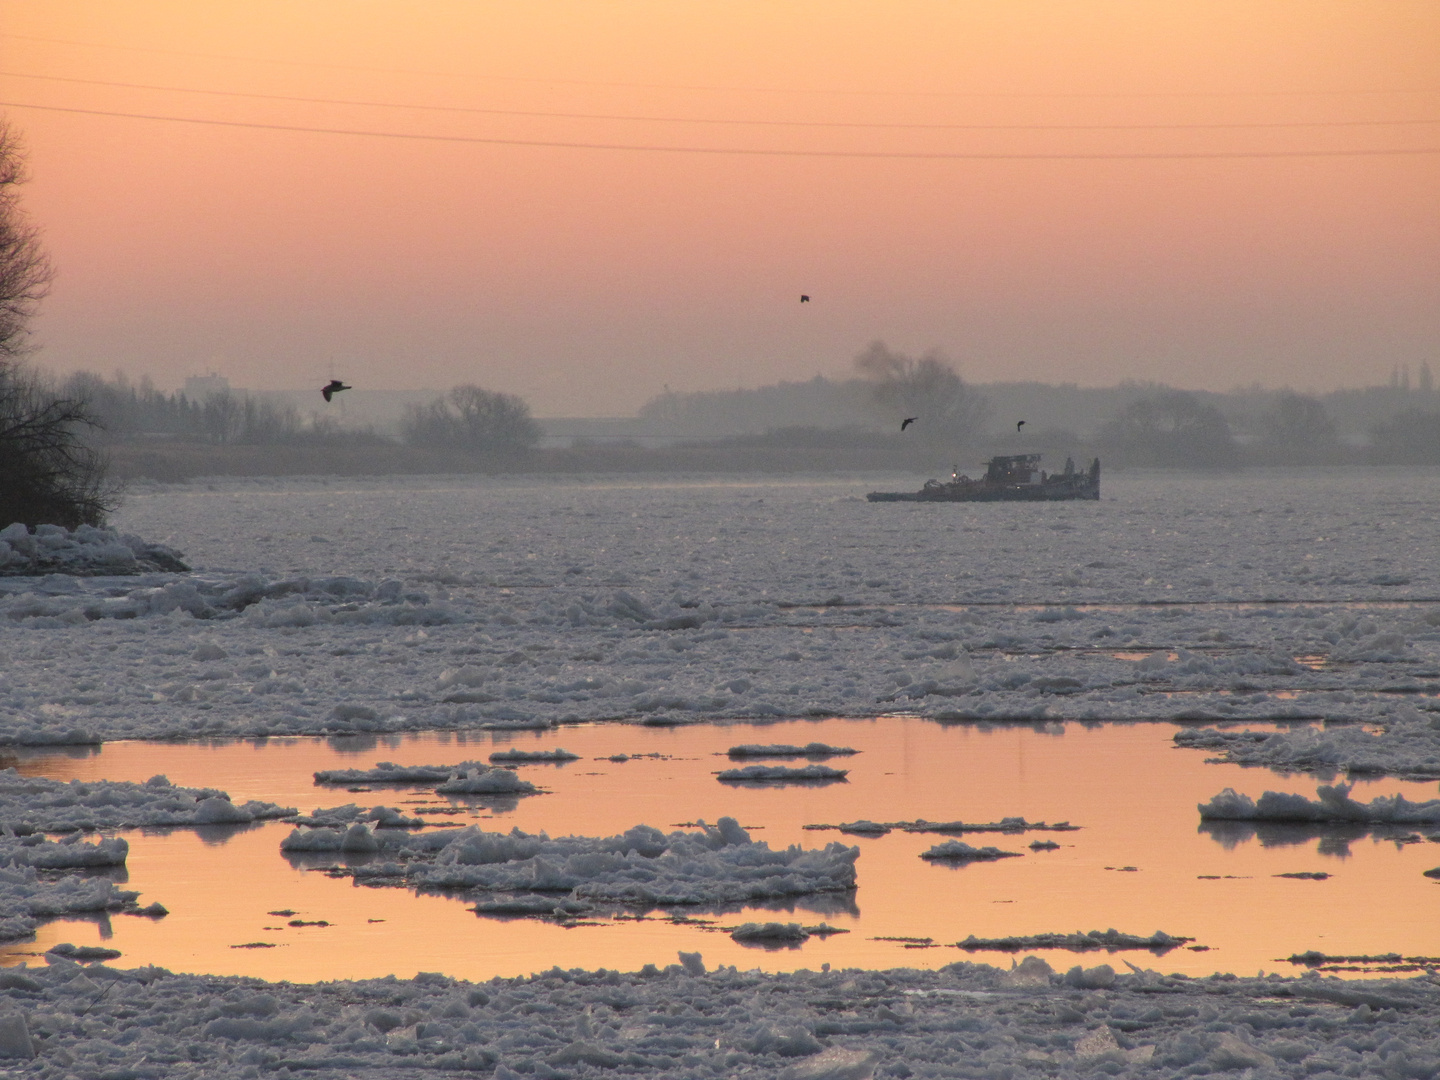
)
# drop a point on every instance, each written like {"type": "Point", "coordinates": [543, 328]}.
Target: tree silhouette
{"type": "Point", "coordinates": [1173, 428]}
{"type": "Point", "coordinates": [49, 474]}
{"type": "Point", "coordinates": [1297, 430]}
{"type": "Point", "coordinates": [473, 420]}
{"type": "Point", "coordinates": [927, 387]}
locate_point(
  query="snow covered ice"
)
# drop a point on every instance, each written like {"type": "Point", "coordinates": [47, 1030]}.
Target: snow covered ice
{"type": "Point", "coordinates": [684, 1022]}
{"type": "Point", "coordinates": [1129, 609]}
{"type": "Point", "coordinates": [54, 549]}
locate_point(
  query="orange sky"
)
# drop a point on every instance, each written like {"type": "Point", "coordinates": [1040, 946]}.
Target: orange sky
{"type": "Point", "coordinates": [585, 279]}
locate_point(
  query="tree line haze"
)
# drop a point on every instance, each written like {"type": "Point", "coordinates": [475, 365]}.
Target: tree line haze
{"type": "Point", "coordinates": [783, 425]}
{"type": "Point", "coordinates": [1133, 423]}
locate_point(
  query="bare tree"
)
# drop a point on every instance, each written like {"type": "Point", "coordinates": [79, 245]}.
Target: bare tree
{"type": "Point", "coordinates": [1297, 430]}
{"type": "Point", "coordinates": [927, 387]}
{"type": "Point", "coordinates": [25, 271]}
{"type": "Point", "coordinates": [473, 420]}
{"type": "Point", "coordinates": [1173, 428]}
{"type": "Point", "coordinates": [49, 473]}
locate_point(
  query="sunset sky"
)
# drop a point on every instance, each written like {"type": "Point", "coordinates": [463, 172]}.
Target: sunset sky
{"type": "Point", "coordinates": [1208, 193]}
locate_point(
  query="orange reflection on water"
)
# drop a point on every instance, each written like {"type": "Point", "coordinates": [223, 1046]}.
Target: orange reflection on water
{"type": "Point", "coordinates": [1133, 793]}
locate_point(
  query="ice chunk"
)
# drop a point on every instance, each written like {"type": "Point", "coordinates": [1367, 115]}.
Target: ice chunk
{"type": "Point", "coordinates": [387, 772]}
{"type": "Point", "coordinates": [15, 1041]}
{"type": "Point", "coordinates": [769, 774]}
{"type": "Point", "coordinates": [959, 851]}
{"type": "Point", "coordinates": [530, 757]}
{"type": "Point", "coordinates": [771, 935]}
{"type": "Point", "coordinates": [1101, 977]}
{"type": "Point", "coordinates": [835, 1063]}
{"type": "Point", "coordinates": [487, 782]}
{"type": "Point", "coordinates": [784, 750]}
{"type": "Point", "coordinates": [693, 963]}
{"type": "Point", "coordinates": [1110, 940]}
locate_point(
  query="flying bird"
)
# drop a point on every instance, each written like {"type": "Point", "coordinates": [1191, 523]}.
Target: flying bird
{"type": "Point", "coordinates": [907, 422]}
{"type": "Point", "coordinates": [804, 299]}
{"type": "Point", "coordinates": [1018, 425]}
{"type": "Point", "coordinates": [334, 388]}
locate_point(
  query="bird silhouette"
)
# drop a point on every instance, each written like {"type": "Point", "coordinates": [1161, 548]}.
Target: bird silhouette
{"type": "Point", "coordinates": [804, 299]}
{"type": "Point", "coordinates": [334, 388]}
{"type": "Point", "coordinates": [907, 422]}
{"type": "Point", "coordinates": [1018, 425]}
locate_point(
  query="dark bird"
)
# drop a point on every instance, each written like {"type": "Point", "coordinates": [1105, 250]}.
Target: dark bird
{"type": "Point", "coordinates": [907, 422]}
{"type": "Point", "coordinates": [1018, 425]}
{"type": "Point", "coordinates": [334, 388]}
{"type": "Point", "coordinates": [804, 299]}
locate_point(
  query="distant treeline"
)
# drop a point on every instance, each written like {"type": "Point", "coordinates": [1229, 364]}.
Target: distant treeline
{"type": "Point", "coordinates": [1130, 424]}
{"type": "Point", "coordinates": [467, 419]}
{"type": "Point", "coordinates": [127, 410]}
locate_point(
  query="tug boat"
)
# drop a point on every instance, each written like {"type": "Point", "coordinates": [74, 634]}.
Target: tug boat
{"type": "Point", "coordinates": [1013, 478]}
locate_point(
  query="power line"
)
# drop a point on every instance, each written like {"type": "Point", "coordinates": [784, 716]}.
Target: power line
{"type": "Point", "coordinates": [729, 89]}
{"type": "Point", "coordinates": [838, 124]}
{"type": "Point", "coordinates": [743, 151]}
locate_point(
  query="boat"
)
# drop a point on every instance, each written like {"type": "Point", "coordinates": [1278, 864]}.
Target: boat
{"type": "Point", "coordinates": [1011, 478]}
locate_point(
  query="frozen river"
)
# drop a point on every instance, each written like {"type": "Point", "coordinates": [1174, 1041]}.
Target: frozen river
{"type": "Point", "coordinates": [985, 659]}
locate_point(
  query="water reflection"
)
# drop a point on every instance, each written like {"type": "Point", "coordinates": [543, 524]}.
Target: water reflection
{"type": "Point", "coordinates": [1334, 838]}
{"type": "Point", "coordinates": [1134, 796]}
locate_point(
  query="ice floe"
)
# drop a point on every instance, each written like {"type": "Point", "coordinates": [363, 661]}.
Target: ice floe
{"type": "Point", "coordinates": [85, 954]}
{"type": "Point", "coordinates": [27, 899]}
{"type": "Point", "coordinates": [487, 781]}
{"type": "Point", "coordinates": [954, 828]}
{"type": "Point", "coordinates": [464, 778]}
{"type": "Point", "coordinates": [1333, 804]}
{"type": "Point", "coordinates": [532, 757]}
{"type": "Point", "coordinates": [786, 750]}
{"type": "Point", "coordinates": [781, 774]}
{"type": "Point", "coordinates": [71, 853]}
{"type": "Point", "coordinates": [31, 804]}
{"type": "Point", "coordinates": [387, 772]}
{"type": "Point", "coordinates": [379, 817]}
{"type": "Point", "coordinates": [778, 935]}
{"type": "Point", "coordinates": [957, 851]}
{"type": "Point", "coordinates": [1111, 940]}
{"type": "Point", "coordinates": [713, 866]}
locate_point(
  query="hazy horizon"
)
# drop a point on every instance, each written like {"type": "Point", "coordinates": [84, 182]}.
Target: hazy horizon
{"type": "Point", "coordinates": [587, 279]}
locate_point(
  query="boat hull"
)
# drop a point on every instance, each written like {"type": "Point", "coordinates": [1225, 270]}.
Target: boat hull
{"type": "Point", "coordinates": [1008, 479]}
{"type": "Point", "coordinates": [1026, 494]}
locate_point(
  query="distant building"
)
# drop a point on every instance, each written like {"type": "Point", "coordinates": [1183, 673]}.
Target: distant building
{"type": "Point", "coordinates": [200, 387]}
